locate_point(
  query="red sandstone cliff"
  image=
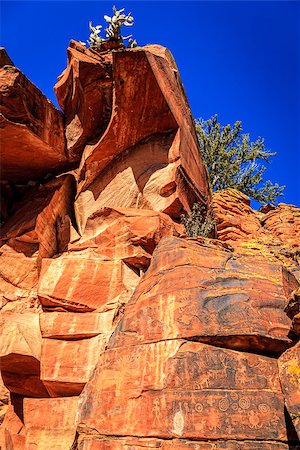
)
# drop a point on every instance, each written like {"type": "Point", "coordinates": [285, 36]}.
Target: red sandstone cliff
{"type": "Point", "coordinates": [117, 331]}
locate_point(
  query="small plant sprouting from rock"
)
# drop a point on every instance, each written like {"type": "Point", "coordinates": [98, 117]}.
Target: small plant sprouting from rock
{"type": "Point", "coordinates": [199, 222]}
{"type": "Point", "coordinates": [113, 30]}
{"type": "Point", "coordinates": [94, 38]}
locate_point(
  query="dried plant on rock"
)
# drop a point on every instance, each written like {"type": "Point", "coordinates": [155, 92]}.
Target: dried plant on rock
{"type": "Point", "coordinates": [199, 222]}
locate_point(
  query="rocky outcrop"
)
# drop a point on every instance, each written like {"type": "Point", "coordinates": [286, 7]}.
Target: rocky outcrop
{"type": "Point", "coordinates": [271, 231]}
{"type": "Point", "coordinates": [148, 156]}
{"type": "Point", "coordinates": [39, 226]}
{"type": "Point", "coordinates": [4, 58]}
{"type": "Point", "coordinates": [184, 390]}
{"type": "Point", "coordinates": [32, 131]}
{"type": "Point", "coordinates": [84, 92]}
{"type": "Point", "coordinates": [289, 372]}
{"type": "Point", "coordinates": [116, 330]}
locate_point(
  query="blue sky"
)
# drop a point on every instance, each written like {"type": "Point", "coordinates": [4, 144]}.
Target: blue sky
{"type": "Point", "coordinates": [238, 59]}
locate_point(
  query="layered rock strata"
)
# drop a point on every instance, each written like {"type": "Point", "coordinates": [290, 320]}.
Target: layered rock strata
{"type": "Point", "coordinates": [32, 129]}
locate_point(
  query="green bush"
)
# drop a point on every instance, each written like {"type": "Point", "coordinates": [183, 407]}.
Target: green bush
{"type": "Point", "coordinates": [233, 161]}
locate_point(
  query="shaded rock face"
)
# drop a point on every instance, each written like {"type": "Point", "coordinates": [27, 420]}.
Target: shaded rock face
{"type": "Point", "coordinates": [84, 92]}
{"type": "Point", "coordinates": [32, 130]}
{"type": "Point", "coordinates": [117, 331]}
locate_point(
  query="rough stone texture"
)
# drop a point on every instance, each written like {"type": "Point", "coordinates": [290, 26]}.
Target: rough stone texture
{"type": "Point", "coordinates": [66, 366]}
{"type": "Point", "coordinates": [289, 372]}
{"type": "Point", "coordinates": [12, 432]}
{"type": "Point", "coordinates": [4, 58]}
{"type": "Point", "coordinates": [84, 92]}
{"type": "Point", "coordinates": [20, 353]}
{"type": "Point", "coordinates": [39, 226]}
{"type": "Point", "coordinates": [81, 282]}
{"type": "Point", "coordinates": [127, 234]}
{"type": "Point", "coordinates": [130, 443]}
{"type": "Point", "coordinates": [4, 400]}
{"type": "Point", "coordinates": [296, 323]}
{"type": "Point", "coordinates": [44, 228]}
{"type": "Point", "coordinates": [50, 423]}
{"type": "Point", "coordinates": [32, 132]}
{"type": "Point", "coordinates": [271, 231]}
{"type": "Point", "coordinates": [152, 142]}
{"type": "Point", "coordinates": [183, 389]}
{"type": "Point", "coordinates": [195, 290]}
{"type": "Point", "coordinates": [118, 332]}
{"type": "Point", "coordinates": [72, 326]}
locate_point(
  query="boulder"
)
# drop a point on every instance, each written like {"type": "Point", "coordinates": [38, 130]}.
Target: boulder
{"type": "Point", "coordinates": [32, 131]}
{"type": "Point", "coordinates": [20, 354]}
{"type": "Point", "coordinates": [12, 432]}
{"type": "Point", "coordinates": [83, 282]}
{"type": "Point", "coordinates": [149, 145]}
{"type": "Point", "coordinates": [289, 372]}
{"type": "Point", "coordinates": [84, 92]}
{"type": "Point", "coordinates": [271, 231]}
{"type": "Point", "coordinates": [72, 326]}
{"type": "Point", "coordinates": [66, 366]}
{"type": "Point", "coordinates": [128, 234]}
{"type": "Point", "coordinates": [40, 222]}
{"type": "Point", "coordinates": [188, 390]}
{"type": "Point", "coordinates": [194, 289]}
{"type": "Point", "coordinates": [38, 226]}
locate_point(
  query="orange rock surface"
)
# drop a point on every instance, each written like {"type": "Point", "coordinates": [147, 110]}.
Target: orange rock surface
{"type": "Point", "coordinates": [184, 389]}
{"type": "Point", "coordinates": [84, 92]}
{"type": "Point", "coordinates": [106, 443]}
{"type": "Point", "coordinates": [271, 231]}
{"type": "Point", "coordinates": [32, 132]}
{"type": "Point", "coordinates": [149, 146]}
{"type": "Point", "coordinates": [116, 330]}
{"type": "Point", "coordinates": [198, 291]}
{"type": "Point", "coordinates": [289, 372]}
{"type": "Point", "coordinates": [55, 428]}
{"type": "Point", "coordinates": [39, 226]}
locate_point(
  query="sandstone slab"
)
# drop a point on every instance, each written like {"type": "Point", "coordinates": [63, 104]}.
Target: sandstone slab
{"type": "Point", "coordinates": [40, 222]}
{"type": "Point", "coordinates": [72, 326]}
{"type": "Point", "coordinates": [20, 354]}
{"type": "Point", "coordinates": [128, 234]}
{"type": "Point", "coordinates": [38, 226]}
{"type": "Point", "coordinates": [50, 422]}
{"type": "Point", "coordinates": [82, 282]}
{"type": "Point", "coordinates": [12, 432]}
{"type": "Point", "coordinates": [289, 371]}
{"type": "Point", "coordinates": [197, 291]}
{"type": "Point", "coordinates": [130, 443]}
{"type": "Point", "coordinates": [188, 390]}
{"type": "Point", "coordinates": [66, 366]}
{"type": "Point", "coordinates": [32, 132]}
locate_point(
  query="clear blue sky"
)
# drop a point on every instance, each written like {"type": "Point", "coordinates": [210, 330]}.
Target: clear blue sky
{"type": "Point", "coordinates": [239, 59]}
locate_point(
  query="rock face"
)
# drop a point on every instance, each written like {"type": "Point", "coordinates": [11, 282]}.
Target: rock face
{"type": "Point", "coordinates": [274, 232]}
{"type": "Point", "coordinates": [148, 155]}
{"type": "Point", "coordinates": [209, 295]}
{"type": "Point", "coordinates": [32, 132]}
{"type": "Point", "coordinates": [116, 330]}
